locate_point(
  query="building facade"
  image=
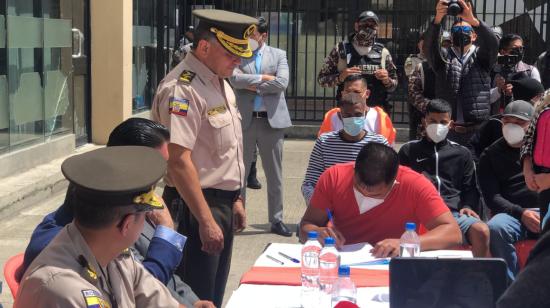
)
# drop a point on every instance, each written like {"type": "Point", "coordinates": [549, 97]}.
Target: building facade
{"type": "Point", "coordinates": [71, 70]}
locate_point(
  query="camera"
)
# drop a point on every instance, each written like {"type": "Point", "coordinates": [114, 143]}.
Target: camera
{"type": "Point", "coordinates": [454, 8]}
{"type": "Point", "coordinates": [508, 60]}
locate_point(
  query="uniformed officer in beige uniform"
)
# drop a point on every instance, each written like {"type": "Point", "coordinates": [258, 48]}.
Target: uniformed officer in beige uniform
{"type": "Point", "coordinates": [88, 264]}
{"type": "Point", "coordinates": [205, 169]}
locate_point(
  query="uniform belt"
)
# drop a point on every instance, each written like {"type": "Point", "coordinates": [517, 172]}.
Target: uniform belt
{"type": "Point", "coordinates": [222, 194]}
{"type": "Point", "coordinates": [259, 114]}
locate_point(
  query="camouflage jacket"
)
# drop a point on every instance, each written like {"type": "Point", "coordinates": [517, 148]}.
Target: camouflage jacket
{"type": "Point", "coordinates": [411, 62]}
{"type": "Point", "coordinates": [416, 90]}
{"type": "Point", "coordinates": [328, 75]}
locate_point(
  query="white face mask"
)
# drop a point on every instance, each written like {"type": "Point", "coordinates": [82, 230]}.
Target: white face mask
{"type": "Point", "coordinates": [366, 203]}
{"type": "Point", "coordinates": [253, 44]}
{"type": "Point", "coordinates": [513, 133]}
{"type": "Point", "coordinates": [437, 132]}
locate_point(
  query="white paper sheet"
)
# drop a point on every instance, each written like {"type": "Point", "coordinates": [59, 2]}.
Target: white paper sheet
{"type": "Point", "coordinates": [349, 255]}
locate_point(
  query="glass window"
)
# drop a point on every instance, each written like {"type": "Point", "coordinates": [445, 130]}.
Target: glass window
{"type": "Point", "coordinates": [151, 50]}
{"type": "Point", "coordinates": [4, 103]}
{"type": "Point", "coordinates": [58, 67]}
{"type": "Point", "coordinates": [25, 84]}
{"type": "Point", "coordinates": [35, 71]}
{"type": "Point", "coordinates": [144, 54]}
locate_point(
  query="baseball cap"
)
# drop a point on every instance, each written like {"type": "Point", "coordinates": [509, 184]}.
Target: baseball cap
{"type": "Point", "coordinates": [526, 88]}
{"type": "Point", "coordinates": [519, 109]}
{"type": "Point", "coordinates": [366, 15]}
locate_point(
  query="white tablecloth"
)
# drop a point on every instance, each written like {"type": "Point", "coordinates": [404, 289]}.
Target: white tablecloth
{"type": "Point", "coordinates": [267, 296]}
{"type": "Point", "coordinates": [271, 296]}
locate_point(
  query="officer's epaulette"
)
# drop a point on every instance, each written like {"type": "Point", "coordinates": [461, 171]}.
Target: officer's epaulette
{"type": "Point", "coordinates": [125, 253]}
{"type": "Point", "coordinates": [88, 272]}
{"type": "Point", "coordinates": [186, 77]}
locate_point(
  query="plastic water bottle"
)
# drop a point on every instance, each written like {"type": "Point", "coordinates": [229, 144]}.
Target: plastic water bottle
{"type": "Point", "coordinates": [344, 289]}
{"type": "Point", "coordinates": [329, 261]}
{"type": "Point", "coordinates": [310, 271]}
{"type": "Point", "coordinates": [409, 244]}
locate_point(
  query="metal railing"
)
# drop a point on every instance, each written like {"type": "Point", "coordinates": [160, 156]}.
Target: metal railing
{"type": "Point", "coordinates": [309, 29]}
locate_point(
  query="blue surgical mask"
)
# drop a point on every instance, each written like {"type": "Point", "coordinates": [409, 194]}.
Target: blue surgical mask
{"type": "Point", "coordinates": [354, 125]}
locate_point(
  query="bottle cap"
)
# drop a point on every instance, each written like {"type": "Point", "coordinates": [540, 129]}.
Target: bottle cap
{"type": "Point", "coordinates": [343, 270]}
{"type": "Point", "coordinates": [329, 241]}
{"type": "Point", "coordinates": [312, 235]}
{"type": "Point", "coordinates": [410, 226]}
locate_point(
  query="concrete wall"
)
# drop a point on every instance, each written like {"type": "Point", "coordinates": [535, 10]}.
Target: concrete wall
{"type": "Point", "coordinates": [111, 56]}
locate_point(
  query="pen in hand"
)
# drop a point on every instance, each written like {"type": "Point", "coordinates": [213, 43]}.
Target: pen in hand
{"type": "Point", "coordinates": [330, 218]}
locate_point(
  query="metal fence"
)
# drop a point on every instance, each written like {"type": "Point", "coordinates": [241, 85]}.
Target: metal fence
{"type": "Point", "coordinates": [309, 29]}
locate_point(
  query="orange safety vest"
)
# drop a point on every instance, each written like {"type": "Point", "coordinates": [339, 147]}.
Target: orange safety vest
{"type": "Point", "coordinates": [386, 127]}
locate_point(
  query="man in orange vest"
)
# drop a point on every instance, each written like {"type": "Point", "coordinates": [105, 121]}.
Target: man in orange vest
{"type": "Point", "coordinates": [377, 120]}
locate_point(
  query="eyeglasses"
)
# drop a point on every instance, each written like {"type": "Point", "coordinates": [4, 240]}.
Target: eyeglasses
{"type": "Point", "coordinates": [464, 29]}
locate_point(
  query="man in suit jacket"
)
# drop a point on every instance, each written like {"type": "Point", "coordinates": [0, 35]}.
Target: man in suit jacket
{"type": "Point", "coordinates": [260, 83]}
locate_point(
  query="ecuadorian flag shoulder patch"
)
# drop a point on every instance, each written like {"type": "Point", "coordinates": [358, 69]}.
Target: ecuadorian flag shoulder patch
{"type": "Point", "coordinates": [93, 299]}
{"type": "Point", "coordinates": [178, 106]}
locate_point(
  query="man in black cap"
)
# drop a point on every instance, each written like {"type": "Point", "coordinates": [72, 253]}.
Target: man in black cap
{"type": "Point", "coordinates": [112, 189]}
{"type": "Point", "coordinates": [504, 189]}
{"type": "Point", "coordinates": [206, 169]}
{"type": "Point", "coordinates": [526, 89]}
{"type": "Point", "coordinates": [359, 53]}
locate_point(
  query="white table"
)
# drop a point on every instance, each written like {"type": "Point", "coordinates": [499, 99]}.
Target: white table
{"type": "Point", "coordinates": [272, 296]}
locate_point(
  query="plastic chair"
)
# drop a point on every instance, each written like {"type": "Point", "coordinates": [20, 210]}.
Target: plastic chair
{"type": "Point", "coordinates": [523, 249]}
{"type": "Point", "coordinates": [12, 271]}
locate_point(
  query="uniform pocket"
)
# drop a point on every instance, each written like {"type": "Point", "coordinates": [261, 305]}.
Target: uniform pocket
{"type": "Point", "coordinates": [223, 132]}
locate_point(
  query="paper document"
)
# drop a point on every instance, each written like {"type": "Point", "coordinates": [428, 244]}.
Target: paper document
{"type": "Point", "coordinates": [355, 254]}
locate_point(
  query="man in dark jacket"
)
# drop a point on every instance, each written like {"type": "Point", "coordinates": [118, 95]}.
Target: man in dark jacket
{"type": "Point", "coordinates": [451, 169]}
{"type": "Point", "coordinates": [526, 89]}
{"type": "Point", "coordinates": [463, 71]}
{"type": "Point", "coordinates": [504, 190]}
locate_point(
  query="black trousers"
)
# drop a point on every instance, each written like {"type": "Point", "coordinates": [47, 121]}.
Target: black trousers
{"type": "Point", "coordinates": [415, 118]}
{"type": "Point", "coordinates": [205, 274]}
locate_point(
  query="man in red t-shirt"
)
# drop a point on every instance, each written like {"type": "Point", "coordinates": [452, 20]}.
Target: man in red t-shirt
{"type": "Point", "coordinates": [372, 199]}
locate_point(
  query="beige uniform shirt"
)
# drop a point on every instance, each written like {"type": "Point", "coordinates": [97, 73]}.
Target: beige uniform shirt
{"type": "Point", "coordinates": [200, 110]}
{"type": "Point", "coordinates": [66, 274]}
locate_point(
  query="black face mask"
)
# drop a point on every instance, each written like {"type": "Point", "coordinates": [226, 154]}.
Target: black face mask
{"type": "Point", "coordinates": [520, 52]}
{"type": "Point", "coordinates": [461, 39]}
{"type": "Point", "coordinates": [365, 36]}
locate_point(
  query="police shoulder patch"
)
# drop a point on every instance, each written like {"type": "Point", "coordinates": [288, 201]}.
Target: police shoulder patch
{"type": "Point", "coordinates": [186, 77]}
{"type": "Point", "coordinates": [93, 299]}
{"type": "Point", "coordinates": [178, 106]}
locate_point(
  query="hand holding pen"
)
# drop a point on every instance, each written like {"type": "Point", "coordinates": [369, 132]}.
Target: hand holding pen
{"type": "Point", "coordinates": [331, 231]}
